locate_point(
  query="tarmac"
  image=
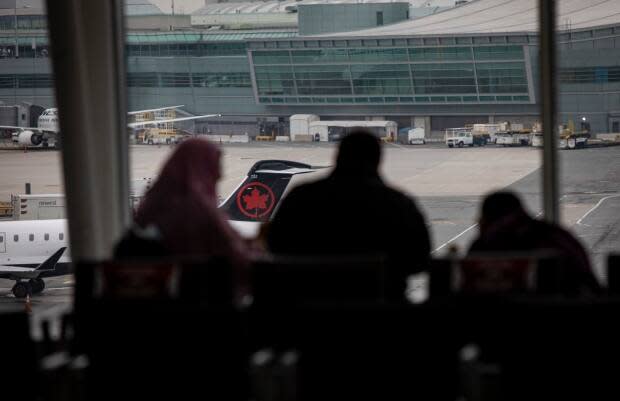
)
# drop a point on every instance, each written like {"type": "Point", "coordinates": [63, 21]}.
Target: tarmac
{"type": "Point", "coordinates": [447, 184]}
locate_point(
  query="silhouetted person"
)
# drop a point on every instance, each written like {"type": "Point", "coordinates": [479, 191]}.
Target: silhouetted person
{"type": "Point", "coordinates": [353, 212]}
{"type": "Point", "coordinates": [179, 216]}
{"type": "Point", "coordinates": [506, 226]}
{"type": "Point", "coordinates": [182, 205]}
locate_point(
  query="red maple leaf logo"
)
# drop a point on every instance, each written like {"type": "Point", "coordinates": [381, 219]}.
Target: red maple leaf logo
{"type": "Point", "coordinates": [255, 200]}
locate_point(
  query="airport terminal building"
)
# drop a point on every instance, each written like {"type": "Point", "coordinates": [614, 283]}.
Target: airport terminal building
{"type": "Point", "coordinates": [260, 63]}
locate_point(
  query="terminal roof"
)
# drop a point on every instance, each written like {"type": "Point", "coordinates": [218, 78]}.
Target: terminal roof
{"type": "Point", "coordinates": [262, 7]}
{"type": "Point", "coordinates": [500, 16]}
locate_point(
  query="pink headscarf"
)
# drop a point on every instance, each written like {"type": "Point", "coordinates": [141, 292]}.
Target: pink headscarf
{"type": "Point", "coordinates": [182, 204]}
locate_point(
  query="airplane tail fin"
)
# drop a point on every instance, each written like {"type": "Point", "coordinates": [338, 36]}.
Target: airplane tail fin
{"type": "Point", "coordinates": [50, 263]}
{"type": "Point", "coordinates": [257, 196]}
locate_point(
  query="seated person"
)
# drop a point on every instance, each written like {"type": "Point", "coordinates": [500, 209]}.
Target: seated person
{"type": "Point", "coordinates": [352, 211]}
{"type": "Point", "coordinates": [140, 244]}
{"type": "Point", "coordinates": [506, 226]}
{"type": "Point", "coordinates": [181, 207]}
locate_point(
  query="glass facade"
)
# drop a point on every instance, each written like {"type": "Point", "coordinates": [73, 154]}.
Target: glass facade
{"type": "Point", "coordinates": [453, 78]}
{"type": "Point", "coordinates": [26, 81]}
{"type": "Point", "coordinates": [440, 54]}
{"type": "Point", "coordinates": [381, 79]}
{"type": "Point", "coordinates": [323, 80]}
{"type": "Point", "coordinates": [183, 80]}
{"type": "Point", "coordinates": [410, 74]}
{"type": "Point", "coordinates": [222, 80]}
{"type": "Point", "coordinates": [392, 75]}
{"type": "Point", "coordinates": [142, 79]}
{"type": "Point", "coordinates": [501, 78]}
{"type": "Point", "coordinates": [590, 75]}
{"type": "Point", "coordinates": [7, 22]}
{"type": "Point", "coordinates": [185, 49]}
{"type": "Point", "coordinates": [276, 80]}
{"type": "Point", "coordinates": [198, 44]}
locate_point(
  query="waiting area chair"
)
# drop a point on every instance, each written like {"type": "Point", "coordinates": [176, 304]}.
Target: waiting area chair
{"type": "Point", "coordinates": [349, 339]}
{"type": "Point", "coordinates": [290, 280]}
{"type": "Point", "coordinates": [169, 328]}
{"type": "Point", "coordinates": [500, 274]}
{"type": "Point", "coordinates": [159, 330]}
{"type": "Point", "coordinates": [19, 368]}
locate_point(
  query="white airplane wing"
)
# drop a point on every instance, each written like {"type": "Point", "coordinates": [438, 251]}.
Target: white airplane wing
{"type": "Point", "coordinates": [131, 113]}
{"type": "Point", "coordinates": [20, 128]}
{"type": "Point", "coordinates": [170, 120]}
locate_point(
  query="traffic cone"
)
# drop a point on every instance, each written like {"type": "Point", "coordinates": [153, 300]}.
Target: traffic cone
{"type": "Point", "coordinates": [28, 304]}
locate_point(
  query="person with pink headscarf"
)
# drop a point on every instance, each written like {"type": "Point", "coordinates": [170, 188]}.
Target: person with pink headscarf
{"type": "Point", "coordinates": [182, 206]}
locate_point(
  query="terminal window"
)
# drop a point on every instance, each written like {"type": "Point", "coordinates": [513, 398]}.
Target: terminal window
{"type": "Point", "coordinates": [455, 71]}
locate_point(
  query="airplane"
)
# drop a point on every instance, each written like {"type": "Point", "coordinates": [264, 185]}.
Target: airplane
{"type": "Point", "coordinates": [47, 132]}
{"type": "Point", "coordinates": [32, 250]}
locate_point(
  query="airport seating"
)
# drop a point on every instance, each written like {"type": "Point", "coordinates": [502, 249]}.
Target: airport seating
{"type": "Point", "coordinates": [363, 351]}
{"type": "Point", "coordinates": [283, 283]}
{"type": "Point", "coordinates": [18, 369]}
{"type": "Point", "coordinates": [489, 274]}
{"type": "Point", "coordinates": [165, 329]}
{"type": "Point", "coordinates": [334, 318]}
{"type": "Point", "coordinates": [288, 280]}
{"type": "Point", "coordinates": [613, 274]}
{"type": "Point", "coordinates": [510, 305]}
{"type": "Point", "coordinates": [541, 341]}
{"type": "Point", "coordinates": [324, 342]}
{"type": "Point", "coordinates": [548, 347]}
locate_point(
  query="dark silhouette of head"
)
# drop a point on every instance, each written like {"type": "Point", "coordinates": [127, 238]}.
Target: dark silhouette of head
{"type": "Point", "coordinates": [499, 205]}
{"type": "Point", "coordinates": [359, 154]}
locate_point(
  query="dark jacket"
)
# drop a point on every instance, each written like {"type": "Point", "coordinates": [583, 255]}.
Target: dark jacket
{"type": "Point", "coordinates": [520, 232]}
{"type": "Point", "coordinates": [353, 214]}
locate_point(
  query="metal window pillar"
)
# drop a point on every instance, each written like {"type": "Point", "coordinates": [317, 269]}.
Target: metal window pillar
{"type": "Point", "coordinates": [547, 62]}
{"type": "Point", "coordinates": [88, 62]}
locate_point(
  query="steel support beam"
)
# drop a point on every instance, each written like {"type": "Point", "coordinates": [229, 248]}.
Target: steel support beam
{"type": "Point", "coordinates": [547, 62]}
{"type": "Point", "coordinates": [87, 53]}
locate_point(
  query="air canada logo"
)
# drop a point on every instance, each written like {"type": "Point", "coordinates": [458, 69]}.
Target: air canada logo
{"type": "Point", "coordinates": [255, 200]}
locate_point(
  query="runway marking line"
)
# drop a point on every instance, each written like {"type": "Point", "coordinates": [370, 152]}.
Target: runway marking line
{"type": "Point", "coordinates": [455, 237]}
{"type": "Point", "coordinates": [538, 215]}
{"type": "Point", "coordinates": [579, 222]}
